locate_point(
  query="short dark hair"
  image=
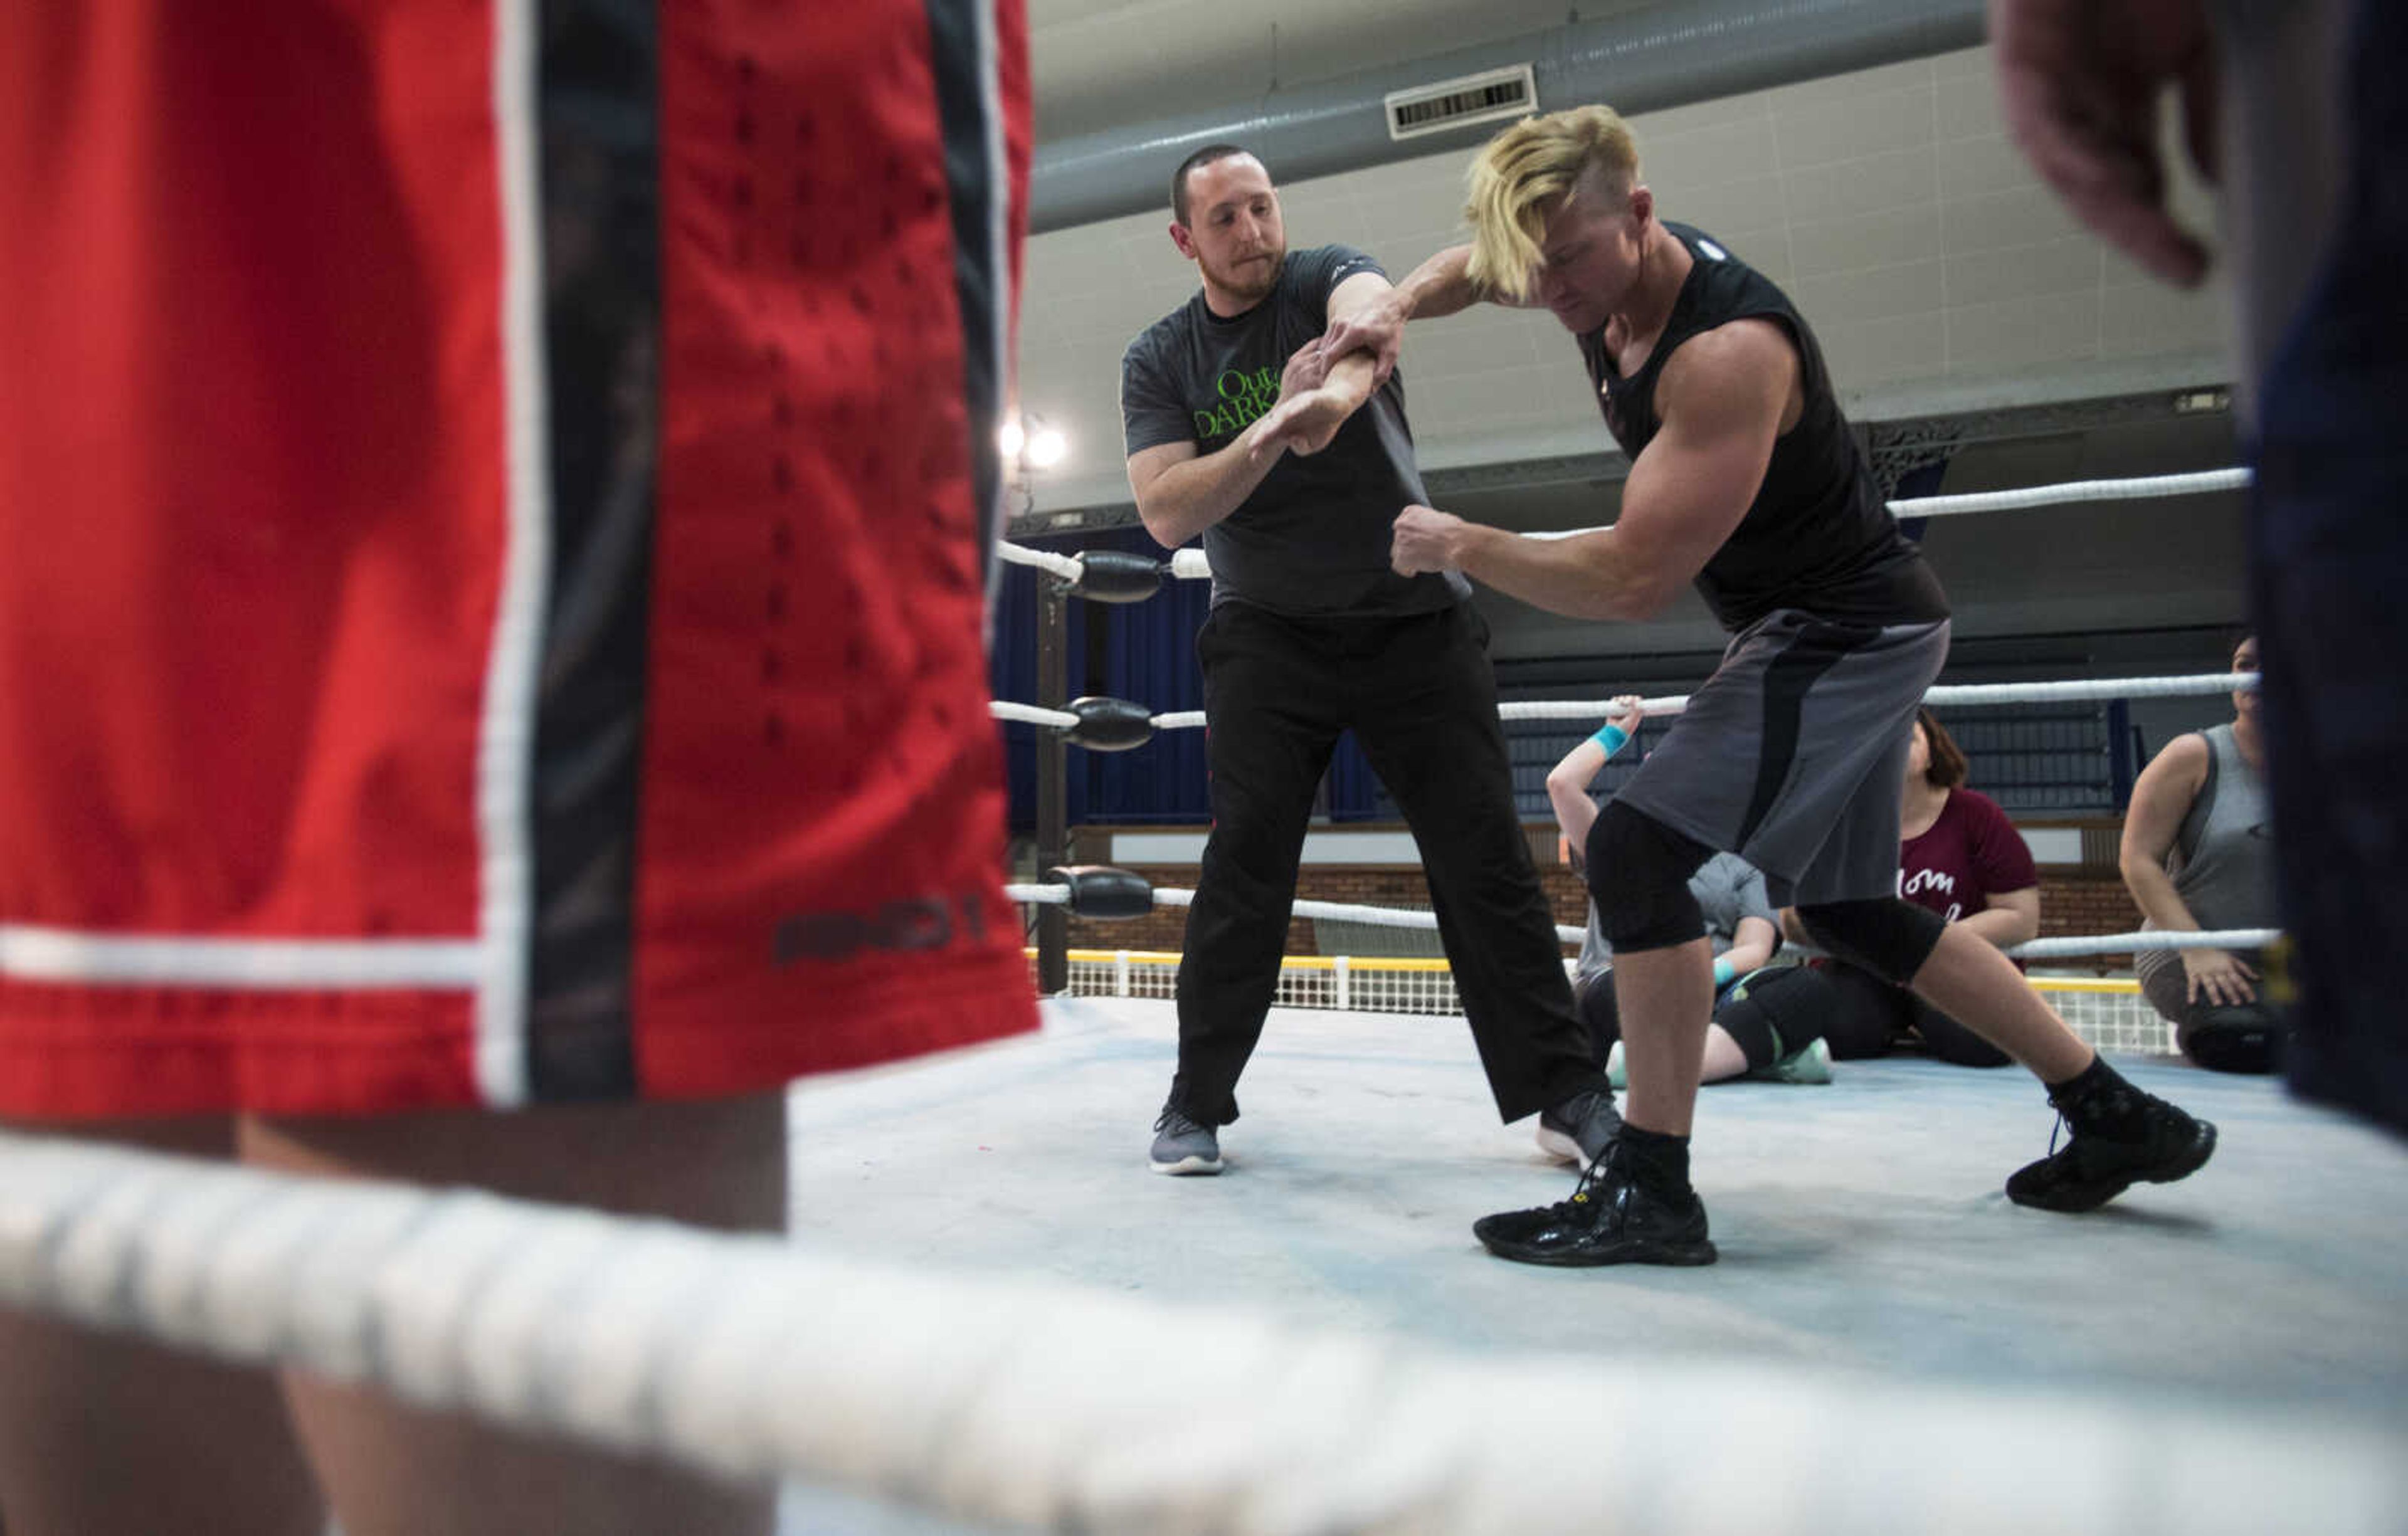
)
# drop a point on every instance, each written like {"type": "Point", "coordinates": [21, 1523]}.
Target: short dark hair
{"type": "Point", "coordinates": [1197, 161]}
{"type": "Point", "coordinates": [1947, 769]}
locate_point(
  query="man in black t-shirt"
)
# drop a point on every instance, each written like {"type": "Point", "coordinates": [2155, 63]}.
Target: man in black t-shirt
{"type": "Point", "coordinates": [1745, 480]}
{"type": "Point", "coordinates": [1312, 634]}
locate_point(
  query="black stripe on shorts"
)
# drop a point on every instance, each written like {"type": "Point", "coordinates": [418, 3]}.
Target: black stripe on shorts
{"type": "Point", "coordinates": [1808, 656]}
{"type": "Point", "coordinates": [599, 120]}
{"type": "Point", "coordinates": [960, 45]}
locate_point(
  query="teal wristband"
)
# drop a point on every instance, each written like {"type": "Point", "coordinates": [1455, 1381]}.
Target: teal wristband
{"type": "Point", "coordinates": [1610, 738]}
{"type": "Point", "coordinates": [1723, 974]}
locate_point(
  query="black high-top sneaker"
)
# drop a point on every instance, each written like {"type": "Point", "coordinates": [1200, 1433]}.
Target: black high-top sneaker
{"type": "Point", "coordinates": [2121, 1136]}
{"type": "Point", "coordinates": [1609, 1220]}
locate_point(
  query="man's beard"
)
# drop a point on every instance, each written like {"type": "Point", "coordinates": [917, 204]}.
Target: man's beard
{"type": "Point", "coordinates": [1253, 279]}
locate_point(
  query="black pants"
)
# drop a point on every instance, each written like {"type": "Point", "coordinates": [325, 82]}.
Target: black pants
{"type": "Point", "coordinates": [1418, 694]}
{"type": "Point", "coordinates": [1872, 1014]}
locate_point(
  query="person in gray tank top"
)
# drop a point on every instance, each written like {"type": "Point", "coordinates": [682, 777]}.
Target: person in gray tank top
{"type": "Point", "coordinates": [2199, 855]}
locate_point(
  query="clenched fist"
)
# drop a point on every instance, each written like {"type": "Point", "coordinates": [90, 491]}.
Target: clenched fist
{"type": "Point", "coordinates": [1424, 540]}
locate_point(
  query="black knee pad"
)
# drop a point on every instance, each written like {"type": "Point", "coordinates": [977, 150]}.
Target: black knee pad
{"type": "Point", "coordinates": [2244, 1038]}
{"type": "Point", "coordinates": [1774, 1012]}
{"type": "Point", "coordinates": [1638, 872]}
{"type": "Point", "coordinates": [1886, 935]}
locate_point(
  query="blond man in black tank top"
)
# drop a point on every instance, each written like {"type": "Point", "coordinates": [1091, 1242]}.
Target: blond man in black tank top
{"type": "Point", "coordinates": [1745, 480]}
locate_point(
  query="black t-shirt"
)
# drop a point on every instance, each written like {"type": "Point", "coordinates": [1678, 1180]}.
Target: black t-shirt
{"type": "Point", "coordinates": [1312, 538]}
{"type": "Point", "coordinates": [1819, 537]}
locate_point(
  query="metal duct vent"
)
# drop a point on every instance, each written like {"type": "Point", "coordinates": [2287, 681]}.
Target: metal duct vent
{"type": "Point", "coordinates": [1485, 97]}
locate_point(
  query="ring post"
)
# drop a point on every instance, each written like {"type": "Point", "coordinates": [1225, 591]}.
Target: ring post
{"type": "Point", "coordinates": [1053, 781]}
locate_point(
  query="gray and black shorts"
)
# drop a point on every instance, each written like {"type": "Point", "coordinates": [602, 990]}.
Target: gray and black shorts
{"type": "Point", "coordinates": [1793, 755]}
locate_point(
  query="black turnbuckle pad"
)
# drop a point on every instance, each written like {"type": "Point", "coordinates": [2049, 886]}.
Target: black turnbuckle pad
{"type": "Point", "coordinates": [1109, 725]}
{"type": "Point", "coordinates": [1117, 576]}
{"type": "Point", "coordinates": [1099, 890]}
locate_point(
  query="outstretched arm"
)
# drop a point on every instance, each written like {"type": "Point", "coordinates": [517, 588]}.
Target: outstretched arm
{"type": "Point", "coordinates": [1440, 287]}
{"type": "Point", "coordinates": [1723, 395]}
{"type": "Point", "coordinates": [1328, 387]}
{"type": "Point", "coordinates": [1752, 946]}
{"type": "Point", "coordinates": [2161, 798]}
{"type": "Point", "coordinates": [1567, 785]}
{"type": "Point", "coordinates": [1567, 781]}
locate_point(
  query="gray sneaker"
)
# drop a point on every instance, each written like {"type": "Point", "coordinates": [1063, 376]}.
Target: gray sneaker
{"type": "Point", "coordinates": [1182, 1146]}
{"type": "Point", "coordinates": [1577, 1129]}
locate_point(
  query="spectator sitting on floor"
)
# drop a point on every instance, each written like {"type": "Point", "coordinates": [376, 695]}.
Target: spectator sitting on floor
{"type": "Point", "coordinates": [1768, 1020]}
{"type": "Point", "coordinates": [2198, 854]}
{"type": "Point", "coordinates": [1957, 856]}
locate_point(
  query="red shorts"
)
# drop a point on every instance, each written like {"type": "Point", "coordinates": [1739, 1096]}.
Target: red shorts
{"type": "Point", "coordinates": [496, 508]}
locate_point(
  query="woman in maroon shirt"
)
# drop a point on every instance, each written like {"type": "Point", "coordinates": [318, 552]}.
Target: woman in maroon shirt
{"type": "Point", "coordinates": [1957, 856]}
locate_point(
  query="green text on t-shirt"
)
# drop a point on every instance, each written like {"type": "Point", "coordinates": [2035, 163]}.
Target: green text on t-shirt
{"type": "Point", "coordinates": [1245, 396]}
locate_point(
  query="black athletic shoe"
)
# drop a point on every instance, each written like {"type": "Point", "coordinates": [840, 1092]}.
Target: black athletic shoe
{"type": "Point", "coordinates": [2157, 1145]}
{"type": "Point", "coordinates": [1609, 1220]}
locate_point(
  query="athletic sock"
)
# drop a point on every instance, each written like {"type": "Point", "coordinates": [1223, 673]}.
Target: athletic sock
{"type": "Point", "coordinates": [1659, 1163]}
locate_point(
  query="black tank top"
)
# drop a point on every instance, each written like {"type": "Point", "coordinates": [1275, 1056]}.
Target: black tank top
{"type": "Point", "coordinates": [1818, 536]}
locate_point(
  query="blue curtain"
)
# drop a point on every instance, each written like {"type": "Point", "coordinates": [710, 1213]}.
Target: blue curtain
{"type": "Point", "coordinates": [1012, 676]}
{"type": "Point", "coordinates": [1143, 651]}
{"type": "Point", "coordinates": [1355, 793]}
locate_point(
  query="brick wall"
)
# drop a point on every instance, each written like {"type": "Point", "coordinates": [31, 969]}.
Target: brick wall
{"type": "Point", "coordinates": [2086, 902]}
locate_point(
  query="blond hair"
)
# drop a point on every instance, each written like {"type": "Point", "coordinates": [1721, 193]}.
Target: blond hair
{"type": "Point", "coordinates": [1522, 174]}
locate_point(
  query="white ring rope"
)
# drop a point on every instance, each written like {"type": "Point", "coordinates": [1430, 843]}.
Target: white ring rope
{"type": "Point", "coordinates": [1946, 696]}
{"type": "Point", "coordinates": [2192, 684]}
{"type": "Point", "coordinates": [1071, 568]}
{"type": "Point", "coordinates": [1344, 912]}
{"type": "Point", "coordinates": [2141, 488]}
{"type": "Point", "coordinates": [1190, 564]}
{"type": "Point", "coordinates": [1010, 1399]}
{"type": "Point", "coordinates": [1585, 709]}
{"type": "Point", "coordinates": [2118, 943]}
{"type": "Point", "coordinates": [1395, 917]}
{"type": "Point", "coordinates": [1060, 719]}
